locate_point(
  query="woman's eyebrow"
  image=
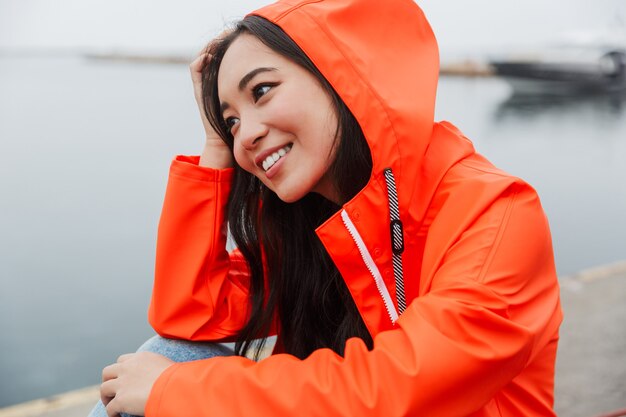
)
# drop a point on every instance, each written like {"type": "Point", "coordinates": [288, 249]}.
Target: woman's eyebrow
{"type": "Point", "coordinates": [249, 76]}
{"type": "Point", "coordinates": [244, 82]}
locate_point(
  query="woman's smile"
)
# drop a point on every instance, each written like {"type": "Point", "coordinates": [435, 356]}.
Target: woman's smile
{"type": "Point", "coordinates": [269, 158]}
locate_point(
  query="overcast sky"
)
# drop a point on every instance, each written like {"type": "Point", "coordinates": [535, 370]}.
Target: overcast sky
{"type": "Point", "coordinates": [184, 25]}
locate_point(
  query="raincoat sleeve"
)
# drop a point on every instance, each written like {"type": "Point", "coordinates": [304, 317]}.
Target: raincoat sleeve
{"type": "Point", "coordinates": [449, 353]}
{"type": "Point", "coordinates": [200, 290]}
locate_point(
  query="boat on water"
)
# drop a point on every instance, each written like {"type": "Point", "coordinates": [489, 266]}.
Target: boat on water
{"type": "Point", "coordinates": [564, 70]}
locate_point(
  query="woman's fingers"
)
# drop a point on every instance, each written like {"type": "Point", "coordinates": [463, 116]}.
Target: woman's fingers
{"type": "Point", "coordinates": [199, 62]}
{"type": "Point", "coordinates": [107, 391]}
{"type": "Point", "coordinates": [109, 379]}
{"type": "Point", "coordinates": [110, 372]}
{"type": "Point", "coordinates": [113, 409]}
{"type": "Point", "coordinates": [124, 357]}
{"type": "Point", "coordinates": [203, 56]}
{"type": "Point", "coordinates": [196, 67]}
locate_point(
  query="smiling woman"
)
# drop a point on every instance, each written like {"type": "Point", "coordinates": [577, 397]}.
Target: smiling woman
{"type": "Point", "coordinates": [402, 273]}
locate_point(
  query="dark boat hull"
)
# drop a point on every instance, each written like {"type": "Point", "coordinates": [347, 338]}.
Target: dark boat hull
{"type": "Point", "coordinates": [563, 78]}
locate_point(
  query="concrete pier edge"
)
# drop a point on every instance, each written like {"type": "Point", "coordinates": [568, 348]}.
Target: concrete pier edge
{"type": "Point", "coordinates": [44, 406]}
{"type": "Point", "coordinates": [597, 272]}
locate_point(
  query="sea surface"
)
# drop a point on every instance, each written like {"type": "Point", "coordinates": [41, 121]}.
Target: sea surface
{"type": "Point", "coordinates": [84, 152]}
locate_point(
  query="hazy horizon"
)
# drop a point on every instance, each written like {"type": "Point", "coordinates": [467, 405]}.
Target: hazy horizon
{"type": "Point", "coordinates": [162, 26]}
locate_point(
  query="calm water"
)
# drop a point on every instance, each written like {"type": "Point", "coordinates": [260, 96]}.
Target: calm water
{"type": "Point", "coordinates": [84, 152]}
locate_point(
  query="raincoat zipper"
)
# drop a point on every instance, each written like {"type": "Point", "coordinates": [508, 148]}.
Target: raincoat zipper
{"type": "Point", "coordinates": [371, 266]}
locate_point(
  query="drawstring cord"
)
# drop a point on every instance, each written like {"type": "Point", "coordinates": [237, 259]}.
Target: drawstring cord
{"type": "Point", "coordinates": [397, 238]}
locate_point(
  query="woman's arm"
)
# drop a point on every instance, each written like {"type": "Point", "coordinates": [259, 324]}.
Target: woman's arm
{"type": "Point", "coordinates": [200, 290]}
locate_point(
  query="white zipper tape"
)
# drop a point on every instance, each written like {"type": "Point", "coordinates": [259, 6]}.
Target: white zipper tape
{"type": "Point", "coordinates": [371, 266]}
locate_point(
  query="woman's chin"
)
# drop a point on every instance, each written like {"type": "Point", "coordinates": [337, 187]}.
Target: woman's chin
{"type": "Point", "coordinates": [289, 197]}
{"type": "Point", "coordinates": [290, 194]}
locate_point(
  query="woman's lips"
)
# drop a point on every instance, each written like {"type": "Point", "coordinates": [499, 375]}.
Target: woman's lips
{"type": "Point", "coordinates": [268, 158]}
{"type": "Point", "coordinates": [273, 170]}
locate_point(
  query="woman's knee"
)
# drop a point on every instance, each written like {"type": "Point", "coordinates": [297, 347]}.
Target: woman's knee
{"type": "Point", "coordinates": [184, 350]}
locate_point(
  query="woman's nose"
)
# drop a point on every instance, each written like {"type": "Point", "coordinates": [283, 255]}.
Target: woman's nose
{"type": "Point", "coordinates": [251, 131]}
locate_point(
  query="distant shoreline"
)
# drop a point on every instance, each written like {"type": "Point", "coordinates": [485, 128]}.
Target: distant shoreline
{"type": "Point", "coordinates": [465, 68]}
{"type": "Point", "coordinates": [135, 58]}
{"type": "Point", "coordinates": [459, 68]}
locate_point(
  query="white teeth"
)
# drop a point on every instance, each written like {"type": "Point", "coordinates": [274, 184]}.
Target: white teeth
{"type": "Point", "coordinates": [273, 158]}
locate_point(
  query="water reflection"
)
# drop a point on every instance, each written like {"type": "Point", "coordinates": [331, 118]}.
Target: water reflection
{"type": "Point", "coordinates": [608, 105]}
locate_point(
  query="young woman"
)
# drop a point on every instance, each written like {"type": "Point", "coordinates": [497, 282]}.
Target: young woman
{"type": "Point", "coordinates": [402, 273]}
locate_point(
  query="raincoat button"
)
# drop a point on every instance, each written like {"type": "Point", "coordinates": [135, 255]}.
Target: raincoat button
{"type": "Point", "coordinates": [356, 215]}
{"type": "Point", "coordinates": [377, 252]}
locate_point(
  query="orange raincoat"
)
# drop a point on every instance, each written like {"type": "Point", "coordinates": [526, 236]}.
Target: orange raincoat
{"type": "Point", "coordinates": [480, 330]}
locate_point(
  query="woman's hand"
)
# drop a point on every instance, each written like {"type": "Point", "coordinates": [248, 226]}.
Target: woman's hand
{"type": "Point", "coordinates": [126, 384]}
{"type": "Point", "coordinates": [215, 153]}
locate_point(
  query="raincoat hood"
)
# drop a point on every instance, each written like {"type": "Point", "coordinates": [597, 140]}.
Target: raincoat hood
{"type": "Point", "coordinates": [381, 57]}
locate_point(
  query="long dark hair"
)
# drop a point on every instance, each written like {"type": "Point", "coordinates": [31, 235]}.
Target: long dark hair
{"type": "Point", "coordinates": [303, 289]}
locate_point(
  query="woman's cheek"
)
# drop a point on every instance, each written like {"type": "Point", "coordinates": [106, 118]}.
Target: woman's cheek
{"type": "Point", "coordinates": [241, 159]}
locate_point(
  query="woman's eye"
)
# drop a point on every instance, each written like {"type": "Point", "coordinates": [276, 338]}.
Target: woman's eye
{"type": "Point", "coordinates": [230, 123]}
{"type": "Point", "coordinates": [260, 90]}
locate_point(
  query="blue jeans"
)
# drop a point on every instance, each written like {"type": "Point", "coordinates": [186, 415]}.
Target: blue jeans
{"type": "Point", "coordinates": [176, 350]}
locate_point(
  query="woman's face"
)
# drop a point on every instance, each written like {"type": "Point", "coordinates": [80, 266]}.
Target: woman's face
{"type": "Point", "coordinates": [282, 121]}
